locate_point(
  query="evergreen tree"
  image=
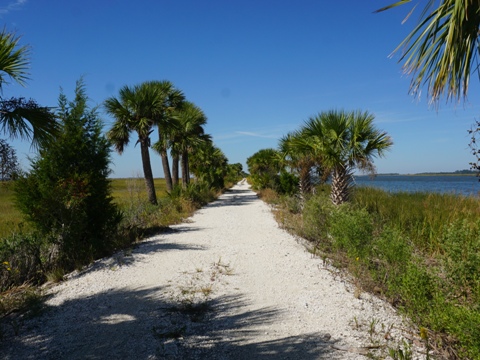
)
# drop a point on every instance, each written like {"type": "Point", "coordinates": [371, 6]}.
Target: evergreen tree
{"type": "Point", "coordinates": [67, 194]}
{"type": "Point", "coordinates": [9, 168]}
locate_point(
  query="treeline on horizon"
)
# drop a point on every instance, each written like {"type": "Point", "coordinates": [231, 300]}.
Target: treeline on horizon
{"type": "Point", "coordinates": [456, 172]}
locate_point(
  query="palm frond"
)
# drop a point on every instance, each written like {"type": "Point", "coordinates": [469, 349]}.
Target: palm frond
{"type": "Point", "coordinates": [14, 60]}
{"type": "Point", "coordinates": [25, 119]}
{"type": "Point", "coordinates": [442, 50]}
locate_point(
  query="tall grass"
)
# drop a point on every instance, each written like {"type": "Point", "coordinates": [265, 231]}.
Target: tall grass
{"type": "Point", "coordinates": [124, 189]}
{"type": "Point", "coordinates": [10, 217]}
{"type": "Point", "coordinates": [420, 251]}
{"type": "Point", "coordinates": [421, 215]}
{"type": "Point", "coordinates": [124, 192]}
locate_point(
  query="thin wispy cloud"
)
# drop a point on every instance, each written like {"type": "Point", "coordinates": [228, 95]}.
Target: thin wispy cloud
{"type": "Point", "coordinates": [399, 118]}
{"type": "Point", "coordinates": [254, 134]}
{"type": "Point", "coordinates": [273, 132]}
{"type": "Point", "coordinates": [11, 6]}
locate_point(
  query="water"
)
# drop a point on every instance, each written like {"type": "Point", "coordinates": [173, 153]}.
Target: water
{"type": "Point", "coordinates": [462, 185]}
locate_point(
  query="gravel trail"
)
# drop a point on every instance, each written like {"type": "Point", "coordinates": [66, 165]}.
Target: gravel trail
{"type": "Point", "coordinates": [226, 284]}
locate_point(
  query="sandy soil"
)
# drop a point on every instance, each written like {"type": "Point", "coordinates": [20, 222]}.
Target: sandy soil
{"type": "Point", "coordinates": [227, 284]}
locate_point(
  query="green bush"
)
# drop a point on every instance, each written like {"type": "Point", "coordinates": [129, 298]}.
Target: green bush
{"type": "Point", "coordinates": [417, 288]}
{"type": "Point", "coordinates": [388, 258]}
{"type": "Point", "coordinates": [317, 215]}
{"type": "Point", "coordinates": [198, 193]}
{"type": "Point", "coordinates": [67, 193]}
{"type": "Point", "coordinates": [287, 183]}
{"type": "Point", "coordinates": [461, 260]}
{"type": "Point", "coordinates": [352, 230]}
{"type": "Point", "coordinates": [23, 260]}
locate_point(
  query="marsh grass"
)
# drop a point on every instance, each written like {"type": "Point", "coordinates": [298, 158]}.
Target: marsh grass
{"type": "Point", "coordinates": [10, 216]}
{"type": "Point", "coordinates": [124, 190]}
{"type": "Point", "coordinates": [420, 251]}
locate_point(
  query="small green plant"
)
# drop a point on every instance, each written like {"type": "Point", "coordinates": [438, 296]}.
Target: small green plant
{"type": "Point", "coordinates": [222, 268]}
{"type": "Point", "coordinates": [401, 352]}
{"type": "Point", "coordinates": [372, 329]}
{"type": "Point", "coordinates": [56, 275]}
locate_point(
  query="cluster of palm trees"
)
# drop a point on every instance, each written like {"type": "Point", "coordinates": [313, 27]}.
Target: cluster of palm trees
{"type": "Point", "coordinates": [180, 124]}
{"type": "Point", "coordinates": [333, 143]}
{"type": "Point", "coordinates": [137, 109]}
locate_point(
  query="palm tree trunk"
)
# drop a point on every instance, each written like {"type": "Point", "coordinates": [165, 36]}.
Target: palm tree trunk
{"type": "Point", "coordinates": [175, 163]}
{"type": "Point", "coordinates": [165, 164]}
{"type": "Point", "coordinates": [305, 182]}
{"type": "Point", "coordinates": [166, 170]}
{"type": "Point", "coordinates": [187, 166]}
{"type": "Point", "coordinates": [184, 163]}
{"type": "Point", "coordinates": [147, 173]}
{"type": "Point", "coordinates": [341, 184]}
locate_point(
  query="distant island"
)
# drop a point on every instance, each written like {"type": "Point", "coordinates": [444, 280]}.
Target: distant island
{"type": "Point", "coordinates": [457, 172]}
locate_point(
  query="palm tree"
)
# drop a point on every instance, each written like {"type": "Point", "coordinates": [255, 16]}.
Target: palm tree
{"type": "Point", "coordinates": [134, 111]}
{"type": "Point", "coordinates": [189, 134]}
{"type": "Point", "coordinates": [344, 141]}
{"type": "Point", "coordinates": [170, 99]}
{"type": "Point", "coordinates": [20, 117]}
{"type": "Point", "coordinates": [297, 159]}
{"type": "Point", "coordinates": [264, 167]}
{"type": "Point", "coordinates": [209, 164]}
{"type": "Point", "coordinates": [442, 50]}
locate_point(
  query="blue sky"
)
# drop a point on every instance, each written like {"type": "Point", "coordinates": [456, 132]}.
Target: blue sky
{"type": "Point", "coordinates": [257, 68]}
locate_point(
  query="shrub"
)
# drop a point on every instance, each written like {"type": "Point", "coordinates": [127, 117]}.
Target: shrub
{"type": "Point", "coordinates": [388, 258]}
{"type": "Point", "coordinates": [67, 193]}
{"type": "Point", "coordinates": [461, 260]}
{"type": "Point", "coordinates": [417, 288]}
{"type": "Point", "coordinates": [317, 215]}
{"type": "Point", "coordinates": [287, 183]}
{"type": "Point", "coordinates": [23, 258]}
{"type": "Point", "coordinates": [198, 193]}
{"type": "Point", "coordinates": [352, 230]}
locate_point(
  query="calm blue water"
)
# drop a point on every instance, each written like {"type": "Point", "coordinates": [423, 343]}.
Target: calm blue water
{"type": "Point", "coordinates": [463, 185]}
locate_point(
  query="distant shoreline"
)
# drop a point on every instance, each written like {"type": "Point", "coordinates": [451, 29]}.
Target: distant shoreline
{"type": "Point", "coordinates": [425, 174]}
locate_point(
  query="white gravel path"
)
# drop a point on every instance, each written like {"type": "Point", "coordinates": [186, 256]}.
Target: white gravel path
{"type": "Point", "coordinates": [227, 284]}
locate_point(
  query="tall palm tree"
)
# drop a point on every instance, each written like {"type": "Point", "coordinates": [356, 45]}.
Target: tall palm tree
{"type": "Point", "coordinates": [344, 141]}
{"type": "Point", "coordinates": [134, 111]}
{"type": "Point", "coordinates": [170, 99]}
{"type": "Point", "coordinates": [298, 160]}
{"type": "Point", "coordinates": [209, 164]}
{"type": "Point", "coordinates": [264, 167]}
{"type": "Point", "coordinates": [442, 50]}
{"type": "Point", "coordinates": [189, 134]}
{"type": "Point", "coordinates": [20, 117]}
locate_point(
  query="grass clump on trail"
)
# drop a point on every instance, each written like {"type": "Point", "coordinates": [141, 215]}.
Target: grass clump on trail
{"type": "Point", "coordinates": [420, 251]}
